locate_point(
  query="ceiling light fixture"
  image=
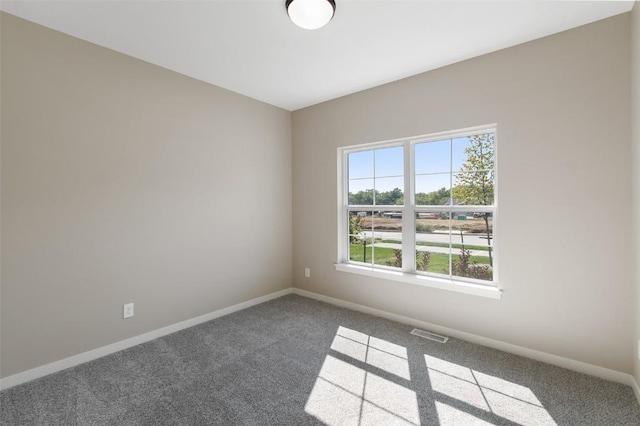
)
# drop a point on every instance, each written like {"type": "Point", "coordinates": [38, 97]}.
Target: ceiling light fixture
{"type": "Point", "coordinates": [311, 14]}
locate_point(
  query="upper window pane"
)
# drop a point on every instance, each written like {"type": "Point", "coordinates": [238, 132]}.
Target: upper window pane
{"type": "Point", "coordinates": [376, 177]}
{"type": "Point", "coordinates": [462, 166]}
{"type": "Point", "coordinates": [458, 154]}
{"type": "Point", "coordinates": [473, 182]}
{"type": "Point", "coordinates": [473, 188]}
{"type": "Point", "coordinates": [361, 165]}
{"type": "Point", "coordinates": [433, 157]}
{"type": "Point", "coordinates": [433, 190]}
{"type": "Point", "coordinates": [473, 153]}
{"type": "Point", "coordinates": [388, 192]}
{"type": "Point", "coordinates": [361, 192]}
{"type": "Point", "coordinates": [389, 162]}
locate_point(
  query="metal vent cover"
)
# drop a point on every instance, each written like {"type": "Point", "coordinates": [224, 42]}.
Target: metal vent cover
{"type": "Point", "coordinates": [429, 335]}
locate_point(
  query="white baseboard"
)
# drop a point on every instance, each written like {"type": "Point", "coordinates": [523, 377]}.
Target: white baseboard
{"type": "Point", "coordinates": [570, 364]}
{"type": "Point", "coordinates": [636, 388]}
{"type": "Point", "coordinates": [72, 361]}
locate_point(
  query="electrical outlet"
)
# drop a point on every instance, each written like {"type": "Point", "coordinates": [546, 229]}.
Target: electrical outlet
{"type": "Point", "coordinates": [307, 272]}
{"type": "Point", "coordinates": [127, 310]}
{"type": "Point", "coordinates": [638, 348]}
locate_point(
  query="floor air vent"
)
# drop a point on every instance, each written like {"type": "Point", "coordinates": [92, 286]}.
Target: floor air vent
{"type": "Point", "coordinates": [429, 335]}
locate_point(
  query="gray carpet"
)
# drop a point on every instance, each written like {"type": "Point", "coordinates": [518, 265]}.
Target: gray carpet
{"type": "Point", "coordinates": [296, 361]}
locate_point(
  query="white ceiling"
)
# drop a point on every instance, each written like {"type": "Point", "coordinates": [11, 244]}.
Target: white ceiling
{"type": "Point", "coordinates": [251, 47]}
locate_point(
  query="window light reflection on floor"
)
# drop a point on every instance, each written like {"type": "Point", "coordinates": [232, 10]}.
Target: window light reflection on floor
{"type": "Point", "coordinates": [449, 416]}
{"type": "Point", "coordinates": [506, 399]}
{"type": "Point", "coordinates": [349, 393]}
{"type": "Point", "coordinates": [345, 394]}
{"type": "Point", "coordinates": [377, 352]}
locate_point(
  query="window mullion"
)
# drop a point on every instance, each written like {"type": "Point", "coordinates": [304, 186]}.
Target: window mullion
{"type": "Point", "coordinates": [408, 214]}
{"type": "Point", "coordinates": [343, 209]}
{"type": "Point", "coordinates": [450, 215]}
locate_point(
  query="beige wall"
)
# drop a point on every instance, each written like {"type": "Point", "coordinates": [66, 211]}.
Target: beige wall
{"type": "Point", "coordinates": [124, 182]}
{"type": "Point", "coordinates": [635, 129]}
{"type": "Point", "coordinates": [118, 185]}
{"type": "Point", "coordinates": [562, 108]}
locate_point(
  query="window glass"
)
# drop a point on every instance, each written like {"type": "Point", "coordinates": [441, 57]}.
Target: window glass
{"type": "Point", "coordinates": [448, 221]}
{"type": "Point", "coordinates": [375, 237]}
{"type": "Point", "coordinates": [361, 192]}
{"type": "Point", "coordinates": [389, 162]}
{"type": "Point", "coordinates": [361, 165]}
{"type": "Point", "coordinates": [433, 249]}
{"type": "Point", "coordinates": [471, 246]}
{"type": "Point", "coordinates": [387, 238]}
{"type": "Point", "coordinates": [433, 157]}
{"type": "Point", "coordinates": [376, 177]}
{"type": "Point", "coordinates": [433, 190]}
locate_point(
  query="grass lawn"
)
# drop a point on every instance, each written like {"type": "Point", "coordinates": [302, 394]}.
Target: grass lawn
{"type": "Point", "coordinates": [438, 262]}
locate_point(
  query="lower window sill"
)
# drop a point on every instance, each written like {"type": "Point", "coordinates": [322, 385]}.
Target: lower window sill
{"type": "Point", "coordinates": [433, 282]}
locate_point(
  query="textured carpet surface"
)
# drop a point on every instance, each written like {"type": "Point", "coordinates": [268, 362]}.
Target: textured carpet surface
{"type": "Point", "coordinates": [296, 361]}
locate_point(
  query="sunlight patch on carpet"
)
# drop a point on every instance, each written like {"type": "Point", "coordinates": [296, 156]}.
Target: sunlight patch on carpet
{"type": "Point", "coordinates": [377, 352]}
{"type": "Point", "coordinates": [344, 394]}
{"type": "Point", "coordinates": [506, 399]}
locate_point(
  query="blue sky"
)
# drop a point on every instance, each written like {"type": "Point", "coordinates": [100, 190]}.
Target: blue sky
{"type": "Point", "coordinates": [384, 167]}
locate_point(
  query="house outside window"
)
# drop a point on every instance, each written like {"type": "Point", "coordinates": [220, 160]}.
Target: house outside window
{"type": "Point", "coordinates": [421, 209]}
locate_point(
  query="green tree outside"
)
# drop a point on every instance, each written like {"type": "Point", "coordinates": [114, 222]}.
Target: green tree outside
{"type": "Point", "coordinates": [475, 180]}
{"type": "Point", "coordinates": [395, 197]}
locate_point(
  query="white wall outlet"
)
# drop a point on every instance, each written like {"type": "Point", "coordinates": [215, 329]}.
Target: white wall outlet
{"type": "Point", "coordinates": [127, 310]}
{"type": "Point", "coordinates": [307, 272]}
{"type": "Point", "coordinates": [638, 348]}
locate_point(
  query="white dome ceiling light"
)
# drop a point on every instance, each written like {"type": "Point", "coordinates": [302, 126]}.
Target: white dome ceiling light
{"type": "Point", "coordinates": [311, 14]}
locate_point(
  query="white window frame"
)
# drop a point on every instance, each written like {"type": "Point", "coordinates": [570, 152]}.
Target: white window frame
{"type": "Point", "coordinates": [408, 273]}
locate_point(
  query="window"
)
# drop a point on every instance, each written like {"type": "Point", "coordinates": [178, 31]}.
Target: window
{"type": "Point", "coordinates": [421, 210]}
